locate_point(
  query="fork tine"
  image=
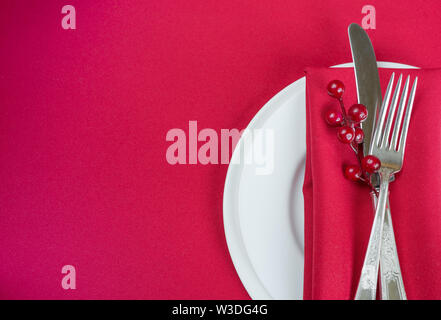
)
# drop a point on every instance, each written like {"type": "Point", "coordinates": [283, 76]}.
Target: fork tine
{"type": "Point", "coordinates": [407, 118]}
{"type": "Point", "coordinates": [399, 118]}
{"type": "Point", "coordinates": [382, 116]}
{"type": "Point", "coordinates": [391, 113]}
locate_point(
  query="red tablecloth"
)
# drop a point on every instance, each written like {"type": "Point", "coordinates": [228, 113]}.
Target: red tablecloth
{"type": "Point", "coordinates": [84, 179]}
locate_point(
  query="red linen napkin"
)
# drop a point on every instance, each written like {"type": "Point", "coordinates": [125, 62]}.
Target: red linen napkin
{"type": "Point", "coordinates": [338, 212]}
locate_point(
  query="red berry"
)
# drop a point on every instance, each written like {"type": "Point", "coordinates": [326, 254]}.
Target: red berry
{"type": "Point", "coordinates": [357, 113]}
{"type": "Point", "coordinates": [346, 134]}
{"type": "Point", "coordinates": [334, 118]}
{"type": "Point", "coordinates": [359, 135]}
{"type": "Point", "coordinates": [336, 89]}
{"type": "Point", "coordinates": [353, 173]}
{"type": "Point", "coordinates": [370, 164]}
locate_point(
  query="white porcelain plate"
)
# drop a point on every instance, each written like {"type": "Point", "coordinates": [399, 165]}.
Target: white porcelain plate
{"type": "Point", "coordinates": [263, 214]}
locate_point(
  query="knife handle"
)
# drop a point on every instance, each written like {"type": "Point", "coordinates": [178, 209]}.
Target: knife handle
{"type": "Point", "coordinates": [392, 286]}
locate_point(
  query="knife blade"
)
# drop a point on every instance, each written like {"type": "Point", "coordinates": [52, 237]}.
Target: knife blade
{"type": "Point", "coordinates": [369, 94]}
{"type": "Point", "coordinates": [367, 79]}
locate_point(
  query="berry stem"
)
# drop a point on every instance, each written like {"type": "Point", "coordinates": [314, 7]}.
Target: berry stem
{"type": "Point", "coordinates": [366, 179]}
{"type": "Point", "coordinates": [354, 148]}
{"type": "Point", "coordinates": [343, 110]}
{"type": "Point", "coordinates": [366, 176]}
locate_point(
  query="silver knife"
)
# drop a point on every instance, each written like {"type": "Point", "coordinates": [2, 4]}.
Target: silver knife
{"type": "Point", "coordinates": [369, 94]}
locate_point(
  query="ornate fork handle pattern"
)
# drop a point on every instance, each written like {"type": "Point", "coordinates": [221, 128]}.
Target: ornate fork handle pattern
{"type": "Point", "coordinates": [367, 286]}
{"type": "Point", "coordinates": [392, 286]}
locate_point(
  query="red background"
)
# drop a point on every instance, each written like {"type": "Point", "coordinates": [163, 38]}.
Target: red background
{"type": "Point", "coordinates": [84, 114]}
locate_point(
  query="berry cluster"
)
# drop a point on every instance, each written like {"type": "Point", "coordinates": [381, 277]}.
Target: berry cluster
{"type": "Point", "coordinates": [349, 132]}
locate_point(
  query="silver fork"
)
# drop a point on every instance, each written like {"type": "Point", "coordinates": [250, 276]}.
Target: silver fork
{"type": "Point", "coordinates": [390, 150]}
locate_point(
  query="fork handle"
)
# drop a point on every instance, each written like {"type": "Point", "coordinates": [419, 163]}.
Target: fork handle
{"type": "Point", "coordinates": [367, 286]}
{"type": "Point", "coordinates": [392, 286]}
